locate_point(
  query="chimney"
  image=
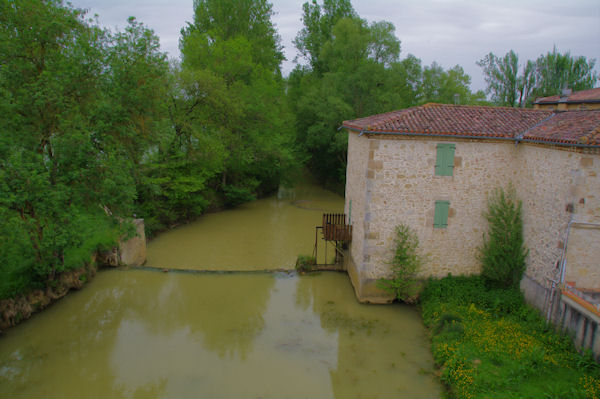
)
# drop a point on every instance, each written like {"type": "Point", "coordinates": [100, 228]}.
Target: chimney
{"type": "Point", "coordinates": [566, 92]}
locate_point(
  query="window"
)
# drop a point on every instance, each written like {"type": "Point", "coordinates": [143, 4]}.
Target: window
{"type": "Point", "coordinates": [444, 164]}
{"type": "Point", "coordinates": [440, 218]}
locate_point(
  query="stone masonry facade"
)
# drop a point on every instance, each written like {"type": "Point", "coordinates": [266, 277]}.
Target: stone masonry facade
{"type": "Point", "coordinates": [391, 180]}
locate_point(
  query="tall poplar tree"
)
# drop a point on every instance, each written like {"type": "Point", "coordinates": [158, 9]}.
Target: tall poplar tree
{"type": "Point", "coordinates": [234, 45]}
{"type": "Point", "coordinates": [546, 76]}
{"type": "Point", "coordinates": [353, 69]}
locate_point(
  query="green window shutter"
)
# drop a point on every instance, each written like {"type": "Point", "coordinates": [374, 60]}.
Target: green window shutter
{"type": "Point", "coordinates": [440, 218]}
{"type": "Point", "coordinates": [444, 163]}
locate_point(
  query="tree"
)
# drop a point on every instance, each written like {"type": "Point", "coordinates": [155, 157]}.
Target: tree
{"type": "Point", "coordinates": [446, 87]}
{"type": "Point", "coordinates": [222, 20]}
{"type": "Point", "coordinates": [555, 71]}
{"type": "Point", "coordinates": [318, 21]}
{"type": "Point", "coordinates": [526, 84]}
{"type": "Point", "coordinates": [546, 76]}
{"type": "Point", "coordinates": [56, 183]}
{"type": "Point", "coordinates": [135, 86]}
{"type": "Point", "coordinates": [233, 45]}
{"type": "Point", "coordinates": [405, 266]}
{"type": "Point", "coordinates": [503, 252]}
{"type": "Point", "coordinates": [357, 72]}
{"type": "Point", "coordinates": [501, 76]}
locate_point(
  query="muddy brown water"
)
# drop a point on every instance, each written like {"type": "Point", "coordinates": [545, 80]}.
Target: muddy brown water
{"type": "Point", "coordinates": [147, 334]}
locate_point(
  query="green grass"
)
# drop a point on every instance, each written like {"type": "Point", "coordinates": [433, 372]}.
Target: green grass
{"type": "Point", "coordinates": [489, 344]}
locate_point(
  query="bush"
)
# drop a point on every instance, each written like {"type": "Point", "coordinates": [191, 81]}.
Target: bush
{"type": "Point", "coordinates": [305, 263]}
{"type": "Point", "coordinates": [405, 266]}
{"type": "Point", "coordinates": [503, 253]}
{"type": "Point", "coordinates": [489, 344]}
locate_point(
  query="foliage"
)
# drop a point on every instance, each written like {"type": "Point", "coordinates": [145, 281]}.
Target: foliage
{"type": "Point", "coordinates": [404, 266]}
{"type": "Point", "coordinates": [305, 263]}
{"type": "Point", "coordinates": [59, 180]}
{"type": "Point", "coordinates": [354, 70]}
{"type": "Point", "coordinates": [489, 344]}
{"type": "Point", "coordinates": [318, 21]}
{"type": "Point", "coordinates": [232, 95]}
{"type": "Point", "coordinates": [503, 252]}
{"type": "Point", "coordinates": [546, 76]}
{"type": "Point", "coordinates": [555, 71]}
{"type": "Point", "coordinates": [501, 76]}
{"type": "Point", "coordinates": [97, 126]}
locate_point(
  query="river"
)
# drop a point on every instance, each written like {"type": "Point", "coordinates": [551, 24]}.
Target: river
{"type": "Point", "coordinates": [213, 334]}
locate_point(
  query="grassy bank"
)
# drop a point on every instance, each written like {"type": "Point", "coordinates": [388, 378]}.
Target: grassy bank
{"type": "Point", "coordinates": [489, 344]}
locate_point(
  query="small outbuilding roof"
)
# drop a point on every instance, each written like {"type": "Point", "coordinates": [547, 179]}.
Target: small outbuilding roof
{"type": "Point", "coordinates": [571, 128]}
{"type": "Point", "coordinates": [574, 128]}
{"type": "Point", "coordinates": [583, 96]}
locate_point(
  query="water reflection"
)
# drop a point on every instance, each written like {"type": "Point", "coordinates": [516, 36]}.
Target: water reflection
{"type": "Point", "coordinates": [265, 234]}
{"type": "Point", "coordinates": [140, 334]}
{"type": "Point", "coordinates": [382, 350]}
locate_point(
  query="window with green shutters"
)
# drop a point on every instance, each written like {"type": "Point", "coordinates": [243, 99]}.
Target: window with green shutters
{"type": "Point", "coordinates": [444, 163]}
{"type": "Point", "coordinates": [440, 218]}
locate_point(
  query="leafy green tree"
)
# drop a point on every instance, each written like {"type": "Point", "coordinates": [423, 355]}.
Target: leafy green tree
{"type": "Point", "coordinates": [133, 109]}
{"type": "Point", "coordinates": [405, 266]}
{"type": "Point", "coordinates": [447, 87]}
{"type": "Point", "coordinates": [319, 20]}
{"type": "Point", "coordinates": [235, 44]}
{"type": "Point", "coordinates": [555, 71]}
{"type": "Point", "coordinates": [501, 76]}
{"type": "Point", "coordinates": [355, 71]}
{"type": "Point", "coordinates": [546, 76]}
{"type": "Point", "coordinates": [176, 176]}
{"type": "Point", "coordinates": [503, 252]}
{"type": "Point", "coordinates": [59, 185]}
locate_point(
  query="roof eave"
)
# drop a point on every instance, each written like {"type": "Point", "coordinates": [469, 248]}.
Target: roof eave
{"type": "Point", "coordinates": [463, 136]}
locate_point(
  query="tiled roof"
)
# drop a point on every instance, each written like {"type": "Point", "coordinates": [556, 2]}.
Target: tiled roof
{"type": "Point", "coordinates": [567, 128]}
{"type": "Point", "coordinates": [461, 120]}
{"type": "Point", "coordinates": [571, 127]}
{"type": "Point", "coordinates": [591, 95]}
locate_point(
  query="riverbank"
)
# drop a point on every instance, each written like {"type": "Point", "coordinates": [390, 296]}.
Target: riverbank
{"type": "Point", "coordinates": [488, 343]}
{"type": "Point", "coordinates": [20, 308]}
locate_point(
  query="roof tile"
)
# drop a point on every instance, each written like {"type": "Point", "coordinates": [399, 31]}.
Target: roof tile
{"type": "Point", "coordinates": [573, 127]}
{"type": "Point", "coordinates": [590, 95]}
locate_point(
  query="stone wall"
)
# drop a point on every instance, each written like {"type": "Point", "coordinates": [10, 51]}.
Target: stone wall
{"type": "Point", "coordinates": [583, 256]}
{"type": "Point", "coordinates": [391, 180]}
{"type": "Point", "coordinates": [133, 251]}
{"type": "Point", "coordinates": [356, 208]}
{"type": "Point", "coordinates": [556, 185]}
{"type": "Point", "coordinates": [130, 252]}
{"type": "Point", "coordinates": [567, 106]}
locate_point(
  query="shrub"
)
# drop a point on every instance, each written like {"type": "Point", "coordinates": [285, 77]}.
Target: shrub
{"type": "Point", "coordinates": [503, 253]}
{"type": "Point", "coordinates": [489, 344]}
{"type": "Point", "coordinates": [305, 263]}
{"type": "Point", "coordinates": [405, 266]}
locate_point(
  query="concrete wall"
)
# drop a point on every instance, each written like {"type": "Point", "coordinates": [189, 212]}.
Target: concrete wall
{"type": "Point", "coordinates": [391, 180]}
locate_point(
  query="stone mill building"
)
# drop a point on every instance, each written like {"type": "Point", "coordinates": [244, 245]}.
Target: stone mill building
{"type": "Point", "coordinates": [433, 167]}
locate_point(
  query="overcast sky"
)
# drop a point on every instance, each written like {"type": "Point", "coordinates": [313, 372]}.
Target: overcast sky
{"type": "Point", "coordinates": [447, 31]}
